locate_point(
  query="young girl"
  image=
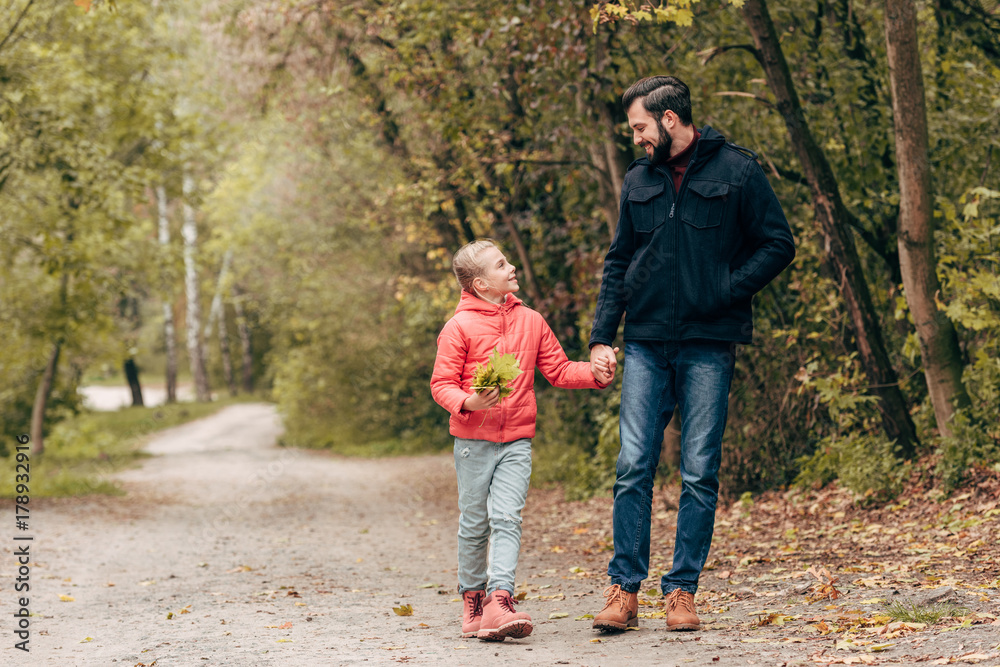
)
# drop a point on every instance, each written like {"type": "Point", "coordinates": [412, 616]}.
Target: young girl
{"type": "Point", "coordinates": [493, 438]}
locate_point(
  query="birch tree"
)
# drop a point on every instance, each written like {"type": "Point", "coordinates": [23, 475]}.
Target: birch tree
{"type": "Point", "coordinates": [169, 335]}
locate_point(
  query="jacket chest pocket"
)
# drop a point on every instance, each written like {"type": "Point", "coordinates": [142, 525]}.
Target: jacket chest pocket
{"type": "Point", "coordinates": [705, 203]}
{"type": "Point", "coordinates": [647, 207]}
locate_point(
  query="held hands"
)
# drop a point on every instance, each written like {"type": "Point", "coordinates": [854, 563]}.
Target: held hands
{"type": "Point", "coordinates": [482, 401]}
{"type": "Point", "coordinates": [603, 363]}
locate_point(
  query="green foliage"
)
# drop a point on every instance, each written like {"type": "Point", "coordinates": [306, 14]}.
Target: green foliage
{"type": "Point", "coordinates": [498, 371]}
{"type": "Point", "coordinates": [86, 120]}
{"type": "Point", "coordinates": [969, 263]}
{"type": "Point", "coordinates": [856, 451]}
{"type": "Point", "coordinates": [867, 464]}
{"type": "Point", "coordinates": [930, 613]}
{"type": "Point", "coordinates": [343, 152]}
{"type": "Point", "coordinates": [508, 147]}
{"type": "Point", "coordinates": [972, 442]}
{"type": "Point", "coordinates": [571, 446]}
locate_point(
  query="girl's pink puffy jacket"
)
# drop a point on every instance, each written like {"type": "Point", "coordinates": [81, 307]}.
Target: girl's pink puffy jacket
{"type": "Point", "coordinates": [468, 339]}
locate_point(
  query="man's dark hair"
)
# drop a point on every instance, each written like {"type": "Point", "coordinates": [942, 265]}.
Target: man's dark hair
{"type": "Point", "coordinates": [660, 94]}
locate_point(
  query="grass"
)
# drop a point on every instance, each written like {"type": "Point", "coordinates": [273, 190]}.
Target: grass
{"type": "Point", "coordinates": [929, 614]}
{"type": "Point", "coordinates": [387, 448]}
{"type": "Point", "coordinates": [83, 452]}
{"type": "Point", "coordinates": [345, 441]}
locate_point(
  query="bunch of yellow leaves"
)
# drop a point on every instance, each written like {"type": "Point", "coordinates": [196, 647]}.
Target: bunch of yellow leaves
{"type": "Point", "coordinates": [500, 370]}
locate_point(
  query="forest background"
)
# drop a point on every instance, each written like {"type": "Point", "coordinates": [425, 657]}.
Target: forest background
{"type": "Point", "coordinates": [266, 194]}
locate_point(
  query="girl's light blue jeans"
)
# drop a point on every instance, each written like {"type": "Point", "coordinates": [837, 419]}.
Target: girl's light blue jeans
{"type": "Point", "coordinates": [492, 487]}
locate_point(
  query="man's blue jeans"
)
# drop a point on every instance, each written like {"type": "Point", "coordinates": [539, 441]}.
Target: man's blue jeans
{"type": "Point", "coordinates": [696, 376]}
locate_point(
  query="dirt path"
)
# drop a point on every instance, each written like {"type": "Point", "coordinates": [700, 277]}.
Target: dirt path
{"type": "Point", "coordinates": [228, 550]}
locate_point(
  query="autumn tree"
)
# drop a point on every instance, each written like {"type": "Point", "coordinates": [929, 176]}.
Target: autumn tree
{"type": "Point", "coordinates": [942, 359]}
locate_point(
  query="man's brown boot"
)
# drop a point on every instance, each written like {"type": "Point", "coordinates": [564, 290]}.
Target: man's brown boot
{"type": "Point", "coordinates": [621, 610]}
{"type": "Point", "coordinates": [680, 611]}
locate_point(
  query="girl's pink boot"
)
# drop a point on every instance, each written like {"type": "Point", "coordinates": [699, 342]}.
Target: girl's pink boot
{"type": "Point", "coordinates": [500, 620]}
{"type": "Point", "coordinates": [472, 612]}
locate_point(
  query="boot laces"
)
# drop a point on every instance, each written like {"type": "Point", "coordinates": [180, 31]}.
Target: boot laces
{"type": "Point", "coordinates": [682, 599]}
{"type": "Point", "coordinates": [507, 602]}
{"type": "Point", "coordinates": [615, 594]}
{"type": "Point", "coordinates": [475, 603]}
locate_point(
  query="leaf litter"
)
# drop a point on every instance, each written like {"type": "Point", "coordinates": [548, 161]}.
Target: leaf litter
{"type": "Point", "coordinates": [825, 567]}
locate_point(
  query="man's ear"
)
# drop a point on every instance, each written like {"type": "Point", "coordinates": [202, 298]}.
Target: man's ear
{"type": "Point", "coordinates": [669, 119]}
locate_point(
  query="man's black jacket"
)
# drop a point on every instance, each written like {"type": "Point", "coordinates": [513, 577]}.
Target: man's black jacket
{"type": "Point", "coordinates": [685, 265]}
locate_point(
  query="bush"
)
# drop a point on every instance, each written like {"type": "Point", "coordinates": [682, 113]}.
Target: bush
{"type": "Point", "coordinates": [866, 463]}
{"type": "Point", "coordinates": [576, 444]}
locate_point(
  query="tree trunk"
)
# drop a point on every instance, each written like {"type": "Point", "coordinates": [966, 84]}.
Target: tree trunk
{"type": "Point", "coordinates": [244, 330]}
{"type": "Point", "coordinates": [132, 375]}
{"type": "Point", "coordinates": [217, 313]}
{"type": "Point", "coordinates": [942, 359]}
{"type": "Point", "coordinates": [42, 399]}
{"type": "Point", "coordinates": [522, 253]}
{"type": "Point", "coordinates": [195, 347]}
{"type": "Point", "coordinates": [609, 203]}
{"type": "Point", "coordinates": [608, 154]}
{"type": "Point", "coordinates": [168, 306]}
{"type": "Point", "coordinates": [833, 216]}
{"type": "Point", "coordinates": [227, 362]}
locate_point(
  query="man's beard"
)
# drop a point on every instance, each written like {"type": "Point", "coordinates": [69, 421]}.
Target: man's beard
{"type": "Point", "coordinates": [661, 151]}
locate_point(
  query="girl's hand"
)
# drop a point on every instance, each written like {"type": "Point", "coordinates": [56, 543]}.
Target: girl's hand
{"type": "Point", "coordinates": [483, 401]}
{"type": "Point", "coordinates": [603, 363]}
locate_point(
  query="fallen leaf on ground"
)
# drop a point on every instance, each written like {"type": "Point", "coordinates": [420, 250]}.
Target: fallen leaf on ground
{"type": "Point", "coordinates": [405, 610]}
{"type": "Point", "coordinates": [971, 658]}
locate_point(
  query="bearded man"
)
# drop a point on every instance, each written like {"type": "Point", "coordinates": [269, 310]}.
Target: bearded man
{"type": "Point", "coordinates": [700, 232]}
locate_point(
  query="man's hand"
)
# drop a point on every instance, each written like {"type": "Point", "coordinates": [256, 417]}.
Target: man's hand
{"type": "Point", "coordinates": [483, 401]}
{"type": "Point", "coordinates": [603, 363]}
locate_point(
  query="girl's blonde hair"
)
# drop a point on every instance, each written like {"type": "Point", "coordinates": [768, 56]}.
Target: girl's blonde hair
{"type": "Point", "coordinates": [467, 265]}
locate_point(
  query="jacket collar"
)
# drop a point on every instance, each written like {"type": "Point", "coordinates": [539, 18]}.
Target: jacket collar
{"type": "Point", "coordinates": [472, 302]}
{"type": "Point", "coordinates": [709, 144]}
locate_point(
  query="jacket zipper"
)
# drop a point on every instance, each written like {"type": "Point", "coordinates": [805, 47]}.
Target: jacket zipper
{"type": "Point", "coordinates": [503, 331]}
{"type": "Point", "coordinates": [676, 235]}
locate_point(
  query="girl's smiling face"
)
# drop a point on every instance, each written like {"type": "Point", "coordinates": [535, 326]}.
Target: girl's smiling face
{"type": "Point", "coordinates": [499, 277]}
